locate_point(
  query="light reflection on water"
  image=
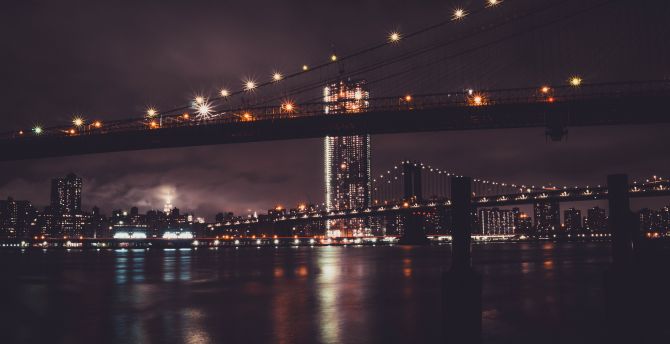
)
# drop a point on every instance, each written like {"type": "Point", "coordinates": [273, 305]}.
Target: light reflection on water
{"type": "Point", "coordinates": [296, 295]}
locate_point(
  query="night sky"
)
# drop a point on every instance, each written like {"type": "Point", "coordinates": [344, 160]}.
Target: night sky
{"type": "Point", "coordinates": [111, 61]}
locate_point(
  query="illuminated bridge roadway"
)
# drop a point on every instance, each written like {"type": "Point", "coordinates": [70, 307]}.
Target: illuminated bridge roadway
{"type": "Point", "coordinates": [556, 110]}
{"type": "Point", "coordinates": [649, 189]}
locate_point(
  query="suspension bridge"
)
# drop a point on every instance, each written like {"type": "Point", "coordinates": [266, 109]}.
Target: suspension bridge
{"type": "Point", "coordinates": [414, 86]}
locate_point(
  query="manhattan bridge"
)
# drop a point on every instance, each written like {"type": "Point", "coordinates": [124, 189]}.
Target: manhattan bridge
{"type": "Point", "coordinates": [447, 76]}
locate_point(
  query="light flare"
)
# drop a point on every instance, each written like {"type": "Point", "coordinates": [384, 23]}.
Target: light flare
{"type": "Point", "coordinates": [249, 85]}
{"type": "Point", "coordinates": [575, 81]}
{"type": "Point", "coordinates": [459, 13]}
{"type": "Point", "coordinates": [394, 36]}
{"type": "Point", "coordinates": [78, 121]}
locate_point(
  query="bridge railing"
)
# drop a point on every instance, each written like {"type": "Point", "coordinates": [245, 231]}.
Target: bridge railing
{"type": "Point", "coordinates": [464, 98]}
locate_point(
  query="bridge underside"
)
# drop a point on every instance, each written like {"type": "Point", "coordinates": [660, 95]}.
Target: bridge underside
{"type": "Point", "coordinates": [624, 110]}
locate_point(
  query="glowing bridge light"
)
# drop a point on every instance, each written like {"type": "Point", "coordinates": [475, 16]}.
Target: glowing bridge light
{"type": "Point", "coordinates": [185, 115]}
{"type": "Point", "coordinates": [459, 13]}
{"type": "Point", "coordinates": [545, 89]}
{"type": "Point", "coordinates": [408, 98]}
{"type": "Point", "coordinates": [288, 106]}
{"type": "Point", "coordinates": [199, 100]}
{"type": "Point", "coordinates": [78, 121]}
{"type": "Point", "coordinates": [305, 67]}
{"type": "Point", "coordinates": [37, 130]}
{"type": "Point", "coordinates": [204, 110]}
{"type": "Point", "coordinates": [276, 76]}
{"type": "Point", "coordinates": [477, 100]}
{"type": "Point", "coordinates": [249, 85]}
{"type": "Point", "coordinates": [97, 124]}
{"type": "Point", "coordinates": [333, 57]}
{"type": "Point", "coordinates": [246, 117]}
{"type": "Point", "coordinates": [491, 3]}
{"type": "Point", "coordinates": [575, 81]}
{"type": "Point", "coordinates": [153, 124]}
{"type": "Point", "coordinates": [224, 93]}
{"type": "Point", "coordinates": [394, 36]}
{"type": "Point", "coordinates": [151, 112]}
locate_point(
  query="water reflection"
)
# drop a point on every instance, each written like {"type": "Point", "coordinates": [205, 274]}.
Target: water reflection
{"type": "Point", "coordinates": [293, 295]}
{"type": "Point", "coordinates": [329, 291]}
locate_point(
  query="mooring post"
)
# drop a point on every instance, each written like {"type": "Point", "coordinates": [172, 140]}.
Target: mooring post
{"type": "Point", "coordinates": [461, 285]}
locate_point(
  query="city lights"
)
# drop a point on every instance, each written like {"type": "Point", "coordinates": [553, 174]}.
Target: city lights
{"type": "Point", "coordinates": [394, 36]}
{"type": "Point", "coordinates": [153, 124]}
{"type": "Point", "coordinates": [199, 99]}
{"type": "Point", "coordinates": [459, 13]}
{"type": "Point", "coordinates": [276, 76]}
{"type": "Point", "coordinates": [545, 89]}
{"type": "Point", "coordinates": [408, 98]}
{"type": "Point", "coordinates": [249, 85]}
{"type": "Point", "coordinates": [491, 3]}
{"type": "Point", "coordinates": [333, 57]}
{"type": "Point", "coordinates": [224, 93]}
{"type": "Point", "coordinates": [97, 124]}
{"type": "Point", "coordinates": [305, 67]}
{"type": "Point", "coordinates": [575, 81]}
{"type": "Point", "coordinates": [185, 115]}
{"type": "Point", "coordinates": [78, 121]}
{"type": "Point", "coordinates": [37, 130]}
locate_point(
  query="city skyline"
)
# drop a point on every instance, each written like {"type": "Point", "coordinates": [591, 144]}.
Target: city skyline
{"type": "Point", "coordinates": [252, 176]}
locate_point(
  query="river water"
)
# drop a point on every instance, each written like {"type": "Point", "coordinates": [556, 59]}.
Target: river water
{"type": "Point", "coordinates": [533, 293]}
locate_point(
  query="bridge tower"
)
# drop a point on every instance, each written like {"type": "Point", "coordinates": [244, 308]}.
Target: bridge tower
{"type": "Point", "coordinates": [412, 181]}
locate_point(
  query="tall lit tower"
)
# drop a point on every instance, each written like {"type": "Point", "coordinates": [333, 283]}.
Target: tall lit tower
{"type": "Point", "coordinates": [66, 194]}
{"type": "Point", "coordinates": [347, 158]}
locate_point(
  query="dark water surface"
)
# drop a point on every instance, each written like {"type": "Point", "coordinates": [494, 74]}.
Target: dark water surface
{"type": "Point", "coordinates": [533, 293]}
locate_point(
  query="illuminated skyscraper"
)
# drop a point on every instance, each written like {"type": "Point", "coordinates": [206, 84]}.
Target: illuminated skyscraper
{"type": "Point", "coordinates": [347, 158]}
{"type": "Point", "coordinates": [547, 217]}
{"type": "Point", "coordinates": [66, 194]}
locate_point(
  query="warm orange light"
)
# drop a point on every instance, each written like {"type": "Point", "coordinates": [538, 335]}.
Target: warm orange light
{"type": "Point", "coordinates": [551, 99]}
{"type": "Point", "coordinates": [305, 67]}
{"type": "Point", "coordinates": [545, 89]}
{"type": "Point", "coordinates": [405, 205]}
{"type": "Point", "coordinates": [333, 57]}
{"type": "Point", "coordinates": [394, 36]}
{"type": "Point", "coordinates": [71, 131]}
{"type": "Point", "coordinates": [288, 106]}
{"type": "Point", "coordinates": [247, 117]}
{"type": "Point", "coordinates": [97, 124]}
{"type": "Point", "coordinates": [408, 98]}
{"type": "Point", "coordinates": [20, 132]}
{"type": "Point", "coordinates": [153, 124]}
{"type": "Point", "coordinates": [477, 100]}
{"type": "Point", "coordinates": [186, 116]}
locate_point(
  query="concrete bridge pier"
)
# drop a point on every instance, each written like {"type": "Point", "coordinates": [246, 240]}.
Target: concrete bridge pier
{"type": "Point", "coordinates": [413, 234]}
{"type": "Point", "coordinates": [461, 285]}
{"type": "Point", "coordinates": [635, 311]}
